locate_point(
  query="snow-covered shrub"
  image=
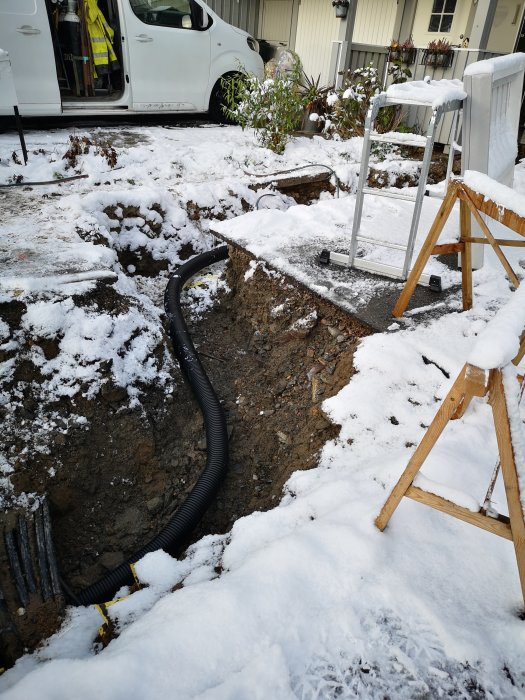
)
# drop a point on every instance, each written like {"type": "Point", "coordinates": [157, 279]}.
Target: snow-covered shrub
{"type": "Point", "coordinates": [273, 107]}
{"type": "Point", "coordinates": [349, 104]}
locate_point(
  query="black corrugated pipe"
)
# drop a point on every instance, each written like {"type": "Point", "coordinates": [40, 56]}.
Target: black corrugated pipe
{"type": "Point", "coordinates": [205, 490]}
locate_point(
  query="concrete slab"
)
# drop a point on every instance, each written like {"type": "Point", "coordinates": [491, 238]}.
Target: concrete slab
{"type": "Point", "coordinates": [290, 241]}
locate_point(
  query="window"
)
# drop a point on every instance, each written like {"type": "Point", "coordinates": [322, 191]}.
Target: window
{"type": "Point", "coordinates": [442, 16]}
{"type": "Point", "coordinates": [181, 14]}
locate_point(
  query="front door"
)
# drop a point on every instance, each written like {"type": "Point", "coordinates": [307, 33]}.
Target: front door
{"type": "Point", "coordinates": [25, 34]}
{"type": "Point", "coordinates": [169, 55]}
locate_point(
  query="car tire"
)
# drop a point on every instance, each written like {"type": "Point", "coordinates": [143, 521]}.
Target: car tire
{"type": "Point", "coordinates": [216, 103]}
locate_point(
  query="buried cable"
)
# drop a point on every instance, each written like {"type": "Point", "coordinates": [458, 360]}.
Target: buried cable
{"type": "Point", "coordinates": [268, 194]}
{"type": "Point", "coordinates": [16, 567]}
{"type": "Point", "coordinates": [25, 552]}
{"type": "Point", "coordinates": [188, 515]}
{"type": "Point", "coordinates": [45, 581]}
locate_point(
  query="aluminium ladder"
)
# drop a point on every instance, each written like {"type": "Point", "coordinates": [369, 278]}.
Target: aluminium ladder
{"type": "Point", "coordinates": [426, 142]}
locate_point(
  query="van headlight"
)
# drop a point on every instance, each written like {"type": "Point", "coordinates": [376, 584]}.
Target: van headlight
{"type": "Point", "coordinates": [253, 44]}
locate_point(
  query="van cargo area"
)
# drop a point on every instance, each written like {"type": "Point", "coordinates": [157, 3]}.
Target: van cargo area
{"type": "Point", "coordinates": [87, 46]}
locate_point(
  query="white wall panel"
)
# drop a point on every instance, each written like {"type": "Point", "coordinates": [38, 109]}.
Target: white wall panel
{"type": "Point", "coordinates": [374, 22]}
{"type": "Point", "coordinates": [317, 27]}
{"type": "Point", "coordinates": [276, 21]}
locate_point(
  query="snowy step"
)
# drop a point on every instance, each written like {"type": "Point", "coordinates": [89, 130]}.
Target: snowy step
{"type": "Point", "coordinates": [389, 193]}
{"type": "Point", "coordinates": [414, 140]}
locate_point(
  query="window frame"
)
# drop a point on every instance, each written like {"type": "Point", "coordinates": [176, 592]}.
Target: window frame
{"type": "Point", "coordinates": [194, 8]}
{"type": "Point", "coordinates": [442, 14]}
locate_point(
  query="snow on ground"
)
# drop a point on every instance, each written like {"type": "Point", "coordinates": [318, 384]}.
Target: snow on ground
{"type": "Point", "coordinates": [312, 600]}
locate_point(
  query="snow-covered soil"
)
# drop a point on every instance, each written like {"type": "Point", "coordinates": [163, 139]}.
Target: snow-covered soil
{"type": "Point", "coordinates": [308, 600]}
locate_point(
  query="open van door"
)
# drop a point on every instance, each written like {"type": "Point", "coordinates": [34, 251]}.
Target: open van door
{"type": "Point", "coordinates": [26, 36]}
{"type": "Point", "coordinates": [169, 54]}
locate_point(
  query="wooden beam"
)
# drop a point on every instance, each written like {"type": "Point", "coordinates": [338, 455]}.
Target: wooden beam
{"type": "Point", "coordinates": [508, 469]}
{"type": "Point", "coordinates": [493, 525]}
{"type": "Point", "coordinates": [464, 195]}
{"type": "Point", "coordinates": [465, 228]}
{"type": "Point", "coordinates": [505, 216]}
{"type": "Point", "coordinates": [475, 385]}
{"type": "Point", "coordinates": [514, 243]}
{"type": "Point", "coordinates": [445, 248]}
{"type": "Point", "coordinates": [521, 351]}
{"type": "Point", "coordinates": [442, 417]}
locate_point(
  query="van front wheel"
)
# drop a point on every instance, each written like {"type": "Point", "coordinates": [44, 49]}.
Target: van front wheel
{"type": "Point", "coordinates": [216, 104]}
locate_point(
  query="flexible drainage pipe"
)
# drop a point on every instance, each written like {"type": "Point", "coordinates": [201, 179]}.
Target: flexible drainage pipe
{"type": "Point", "coordinates": [199, 499]}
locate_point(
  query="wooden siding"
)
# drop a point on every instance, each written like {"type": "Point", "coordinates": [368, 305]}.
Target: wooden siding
{"type": "Point", "coordinates": [241, 13]}
{"type": "Point", "coordinates": [276, 21]}
{"type": "Point", "coordinates": [365, 54]}
{"type": "Point", "coordinates": [317, 28]}
{"type": "Point", "coordinates": [374, 22]}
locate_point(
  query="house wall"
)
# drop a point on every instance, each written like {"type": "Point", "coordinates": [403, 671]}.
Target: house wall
{"type": "Point", "coordinates": [276, 21]}
{"type": "Point", "coordinates": [317, 28]}
{"type": "Point", "coordinates": [374, 22]}
{"type": "Point", "coordinates": [241, 13]}
{"type": "Point", "coordinates": [422, 36]}
{"type": "Point", "coordinates": [505, 27]}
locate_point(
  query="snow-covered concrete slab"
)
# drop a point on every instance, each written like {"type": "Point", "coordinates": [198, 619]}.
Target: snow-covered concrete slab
{"type": "Point", "coordinates": [35, 256]}
{"type": "Point", "coordinates": [291, 241]}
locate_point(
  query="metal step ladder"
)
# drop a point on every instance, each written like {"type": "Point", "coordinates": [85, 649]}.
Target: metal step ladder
{"type": "Point", "coordinates": [426, 142]}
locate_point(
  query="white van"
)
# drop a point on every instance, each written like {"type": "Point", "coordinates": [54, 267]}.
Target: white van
{"type": "Point", "coordinates": [78, 57]}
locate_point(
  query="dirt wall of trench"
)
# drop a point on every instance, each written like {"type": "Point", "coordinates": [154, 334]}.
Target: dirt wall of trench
{"type": "Point", "coordinates": [273, 350]}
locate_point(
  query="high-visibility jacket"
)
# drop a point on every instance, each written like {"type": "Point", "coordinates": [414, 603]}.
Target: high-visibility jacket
{"type": "Point", "coordinates": [101, 38]}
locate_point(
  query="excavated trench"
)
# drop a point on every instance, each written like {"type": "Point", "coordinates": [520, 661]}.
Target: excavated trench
{"type": "Point", "coordinates": [273, 352]}
{"type": "Point", "coordinates": [113, 477]}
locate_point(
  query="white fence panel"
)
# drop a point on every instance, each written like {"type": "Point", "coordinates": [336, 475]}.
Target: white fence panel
{"type": "Point", "coordinates": [491, 121]}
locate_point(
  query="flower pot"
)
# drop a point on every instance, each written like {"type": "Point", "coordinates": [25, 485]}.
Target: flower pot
{"type": "Point", "coordinates": [394, 55]}
{"type": "Point", "coordinates": [407, 56]}
{"type": "Point", "coordinates": [341, 11]}
{"type": "Point", "coordinates": [308, 126]}
{"type": "Point", "coordinates": [438, 60]}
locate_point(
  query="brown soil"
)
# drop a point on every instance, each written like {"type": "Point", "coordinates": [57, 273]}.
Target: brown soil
{"type": "Point", "coordinates": [273, 351]}
{"type": "Point", "coordinates": [436, 173]}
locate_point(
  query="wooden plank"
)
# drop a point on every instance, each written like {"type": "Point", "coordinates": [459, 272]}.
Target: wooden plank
{"type": "Point", "coordinates": [475, 381]}
{"type": "Point", "coordinates": [465, 227]}
{"type": "Point", "coordinates": [496, 527]}
{"type": "Point", "coordinates": [465, 196]}
{"type": "Point", "coordinates": [521, 351]}
{"type": "Point", "coordinates": [495, 211]}
{"type": "Point", "coordinates": [475, 385]}
{"type": "Point", "coordinates": [508, 469]}
{"type": "Point", "coordinates": [445, 248]}
{"type": "Point", "coordinates": [442, 417]}
{"type": "Point", "coordinates": [426, 250]}
{"type": "Point", "coordinates": [514, 243]}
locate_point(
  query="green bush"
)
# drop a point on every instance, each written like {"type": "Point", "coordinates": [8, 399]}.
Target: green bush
{"type": "Point", "coordinates": [276, 106]}
{"type": "Point", "coordinates": [273, 107]}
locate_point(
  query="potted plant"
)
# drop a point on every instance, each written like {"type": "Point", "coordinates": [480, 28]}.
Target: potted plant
{"type": "Point", "coordinates": [341, 8]}
{"type": "Point", "coordinates": [405, 52]}
{"type": "Point", "coordinates": [438, 53]}
{"type": "Point", "coordinates": [314, 102]}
